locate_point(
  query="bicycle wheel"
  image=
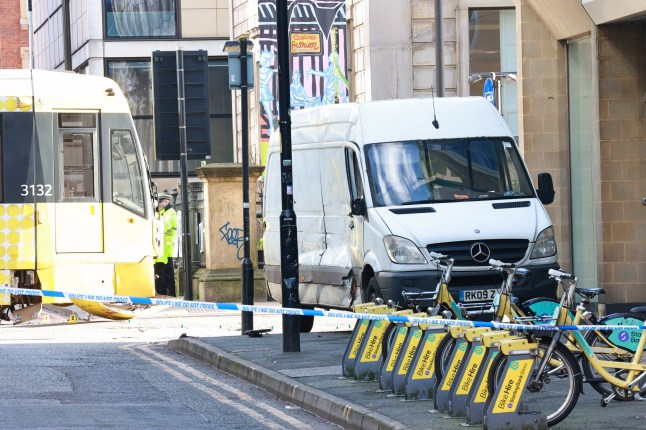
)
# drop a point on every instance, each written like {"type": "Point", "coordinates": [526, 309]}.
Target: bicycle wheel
{"type": "Point", "coordinates": [442, 355]}
{"type": "Point", "coordinates": [389, 334]}
{"type": "Point", "coordinates": [596, 341]}
{"type": "Point", "coordinates": [556, 391]}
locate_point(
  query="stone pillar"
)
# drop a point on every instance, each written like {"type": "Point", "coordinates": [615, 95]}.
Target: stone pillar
{"type": "Point", "coordinates": [223, 232]}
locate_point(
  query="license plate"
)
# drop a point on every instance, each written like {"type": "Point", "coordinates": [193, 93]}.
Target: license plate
{"type": "Point", "coordinates": [477, 295]}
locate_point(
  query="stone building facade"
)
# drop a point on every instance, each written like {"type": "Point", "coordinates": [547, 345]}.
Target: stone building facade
{"type": "Point", "coordinates": [578, 103]}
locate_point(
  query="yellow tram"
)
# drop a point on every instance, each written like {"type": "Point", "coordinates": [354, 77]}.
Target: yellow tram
{"type": "Point", "coordinates": [76, 201]}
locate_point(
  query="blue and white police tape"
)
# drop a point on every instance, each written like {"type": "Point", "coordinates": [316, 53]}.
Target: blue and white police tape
{"type": "Point", "coordinates": [308, 312]}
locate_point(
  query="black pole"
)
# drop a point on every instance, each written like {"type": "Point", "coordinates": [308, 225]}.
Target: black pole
{"type": "Point", "coordinates": [247, 265]}
{"type": "Point", "coordinates": [67, 35]}
{"type": "Point", "coordinates": [439, 45]}
{"type": "Point", "coordinates": [183, 154]}
{"type": "Point", "coordinates": [288, 239]}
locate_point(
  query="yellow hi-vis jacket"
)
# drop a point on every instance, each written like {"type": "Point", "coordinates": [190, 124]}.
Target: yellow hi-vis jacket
{"type": "Point", "coordinates": [169, 218]}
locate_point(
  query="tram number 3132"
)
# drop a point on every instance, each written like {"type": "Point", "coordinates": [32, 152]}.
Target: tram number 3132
{"type": "Point", "coordinates": [36, 190]}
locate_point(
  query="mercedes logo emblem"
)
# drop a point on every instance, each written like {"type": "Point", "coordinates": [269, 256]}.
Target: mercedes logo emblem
{"type": "Point", "coordinates": [480, 252]}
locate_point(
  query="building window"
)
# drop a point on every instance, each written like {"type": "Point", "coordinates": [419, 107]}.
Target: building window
{"type": "Point", "coordinates": [134, 77]}
{"type": "Point", "coordinates": [140, 19]}
{"type": "Point", "coordinates": [492, 54]}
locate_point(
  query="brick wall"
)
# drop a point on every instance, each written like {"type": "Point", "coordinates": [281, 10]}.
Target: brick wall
{"type": "Point", "coordinates": [424, 42]}
{"type": "Point", "coordinates": [622, 111]}
{"type": "Point", "coordinates": [543, 118]}
{"type": "Point", "coordinates": [13, 35]}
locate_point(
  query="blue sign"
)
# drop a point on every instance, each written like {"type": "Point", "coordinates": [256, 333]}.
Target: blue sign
{"type": "Point", "coordinates": [489, 91]}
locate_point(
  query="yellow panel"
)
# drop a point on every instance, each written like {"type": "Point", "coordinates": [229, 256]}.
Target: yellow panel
{"type": "Point", "coordinates": [135, 279]}
{"type": "Point", "coordinates": [79, 227]}
{"type": "Point", "coordinates": [17, 237]}
{"type": "Point", "coordinates": [104, 310]}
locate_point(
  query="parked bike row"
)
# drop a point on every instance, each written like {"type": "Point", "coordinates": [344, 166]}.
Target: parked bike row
{"type": "Point", "coordinates": [527, 377]}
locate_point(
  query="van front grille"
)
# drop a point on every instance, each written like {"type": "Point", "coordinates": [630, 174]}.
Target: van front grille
{"type": "Point", "coordinates": [506, 250]}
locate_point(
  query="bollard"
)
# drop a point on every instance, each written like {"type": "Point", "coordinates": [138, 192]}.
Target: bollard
{"type": "Point", "coordinates": [505, 409]}
{"type": "Point", "coordinates": [415, 375]}
{"type": "Point", "coordinates": [394, 348]}
{"type": "Point", "coordinates": [479, 391]}
{"type": "Point", "coordinates": [443, 385]}
{"type": "Point", "coordinates": [358, 333]}
{"type": "Point", "coordinates": [370, 356]}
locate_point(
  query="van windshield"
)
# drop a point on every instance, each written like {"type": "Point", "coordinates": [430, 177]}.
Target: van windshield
{"type": "Point", "coordinates": [415, 172]}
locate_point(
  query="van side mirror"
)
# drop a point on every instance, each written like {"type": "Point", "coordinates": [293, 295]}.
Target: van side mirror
{"type": "Point", "coordinates": [545, 188]}
{"type": "Point", "coordinates": [358, 207]}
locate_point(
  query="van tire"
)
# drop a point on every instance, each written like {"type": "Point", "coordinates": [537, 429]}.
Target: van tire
{"type": "Point", "coordinates": [372, 291]}
{"type": "Point", "coordinates": [306, 321]}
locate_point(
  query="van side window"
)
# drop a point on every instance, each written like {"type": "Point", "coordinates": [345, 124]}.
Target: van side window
{"type": "Point", "coordinates": [354, 174]}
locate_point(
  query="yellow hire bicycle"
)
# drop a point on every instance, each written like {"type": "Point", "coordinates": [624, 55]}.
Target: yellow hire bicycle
{"type": "Point", "coordinates": [555, 383]}
{"type": "Point", "coordinates": [503, 307]}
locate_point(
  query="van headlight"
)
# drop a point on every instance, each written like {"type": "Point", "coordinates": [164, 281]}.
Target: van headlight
{"type": "Point", "coordinates": [403, 251]}
{"type": "Point", "coordinates": [545, 245]}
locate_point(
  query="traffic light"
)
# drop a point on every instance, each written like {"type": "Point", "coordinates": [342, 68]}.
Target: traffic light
{"type": "Point", "coordinates": [166, 108]}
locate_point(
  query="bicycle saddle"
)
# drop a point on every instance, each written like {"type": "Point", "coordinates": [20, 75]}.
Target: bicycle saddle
{"type": "Point", "coordinates": [590, 292]}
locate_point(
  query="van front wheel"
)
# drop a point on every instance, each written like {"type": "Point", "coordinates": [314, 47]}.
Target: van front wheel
{"type": "Point", "coordinates": [371, 293]}
{"type": "Point", "coordinates": [306, 321]}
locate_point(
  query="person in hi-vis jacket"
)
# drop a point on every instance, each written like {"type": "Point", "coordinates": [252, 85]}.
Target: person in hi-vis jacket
{"type": "Point", "coordinates": [164, 270]}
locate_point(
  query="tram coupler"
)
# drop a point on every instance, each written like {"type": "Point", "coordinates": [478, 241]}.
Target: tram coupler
{"type": "Point", "coordinates": [358, 334]}
{"type": "Point", "coordinates": [370, 355]}
{"type": "Point", "coordinates": [394, 348]}
{"type": "Point", "coordinates": [505, 409]}
{"type": "Point", "coordinates": [478, 392]}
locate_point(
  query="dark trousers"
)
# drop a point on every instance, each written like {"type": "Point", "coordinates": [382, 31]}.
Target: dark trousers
{"type": "Point", "coordinates": [165, 278]}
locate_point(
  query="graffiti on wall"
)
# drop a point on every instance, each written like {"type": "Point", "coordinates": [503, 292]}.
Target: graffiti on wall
{"type": "Point", "coordinates": [234, 237]}
{"type": "Point", "coordinates": [318, 57]}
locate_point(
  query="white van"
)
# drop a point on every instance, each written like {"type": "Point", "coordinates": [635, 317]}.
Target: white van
{"type": "Point", "coordinates": [379, 185]}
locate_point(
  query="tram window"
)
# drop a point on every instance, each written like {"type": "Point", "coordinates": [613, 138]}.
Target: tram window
{"type": "Point", "coordinates": [127, 179]}
{"type": "Point", "coordinates": [78, 166]}
{"type": "Point", "coordinates": [76, 120]}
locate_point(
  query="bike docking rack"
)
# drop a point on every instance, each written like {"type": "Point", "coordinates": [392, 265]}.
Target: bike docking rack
{"type": "Point", "coordinates": [505, 408]}
{"type": "Point", "coordinates": [444, 377]}
{"type": "Point", "coordinates": [394, 347]}
{"type": "Point", "coordinates": [464, 391]}
{"type": "Point", "coordinates": [363, 355]}
{"type": "Point", "coordinates": [414, 366]}
{"type": "Point", "coordinates": [470, 362]}
{"type": "Point", "coordinates": [356, 339]}
{"type": "Point", "coordinates": [477, 386]}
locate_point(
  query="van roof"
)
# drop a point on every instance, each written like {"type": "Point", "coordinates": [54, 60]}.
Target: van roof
{"type": "Point", "coordinates": [375, 121]}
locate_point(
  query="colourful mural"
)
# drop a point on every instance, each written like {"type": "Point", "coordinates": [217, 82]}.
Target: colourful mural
{"type": "Point", "coordinates": [317, 40]}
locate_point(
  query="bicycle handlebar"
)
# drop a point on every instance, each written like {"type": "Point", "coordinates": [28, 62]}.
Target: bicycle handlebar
{"type": "Point", "coordinates": [500, 265]}
{"type": "Point", "coordinates": [559, 274]}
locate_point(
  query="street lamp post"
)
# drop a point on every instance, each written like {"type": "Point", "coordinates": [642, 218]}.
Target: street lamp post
{"type": "Point", "coordinates": [288, 231]}
{"type": "Point", "coordinates": [237, 50]}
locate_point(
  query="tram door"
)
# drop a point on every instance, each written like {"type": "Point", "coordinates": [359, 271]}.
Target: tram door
{"type": "Point", "coordinates": [79, 214]}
